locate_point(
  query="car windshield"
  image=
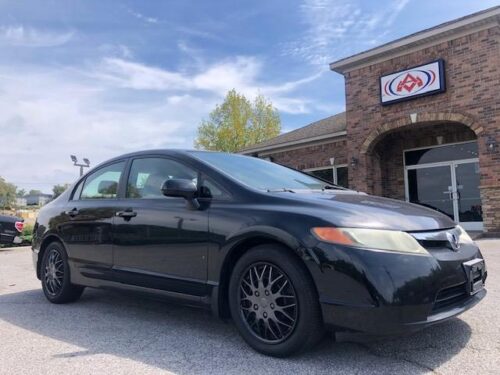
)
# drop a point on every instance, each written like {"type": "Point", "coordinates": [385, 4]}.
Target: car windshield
{"type": "Point", "coordinates": [261, 174]}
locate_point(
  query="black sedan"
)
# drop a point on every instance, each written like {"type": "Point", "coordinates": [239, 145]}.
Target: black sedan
{"type": "Point", "coordinates": [11, 228]}
{"type": "Point", "coordinates": [286, 255]}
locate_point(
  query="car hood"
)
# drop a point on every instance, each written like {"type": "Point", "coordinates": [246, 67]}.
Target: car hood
{"type": "Point", "coordinates": [359, 210]}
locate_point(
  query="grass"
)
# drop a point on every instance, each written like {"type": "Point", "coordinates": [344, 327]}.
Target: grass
{"type": "Point", "coordinates": [27, 234]}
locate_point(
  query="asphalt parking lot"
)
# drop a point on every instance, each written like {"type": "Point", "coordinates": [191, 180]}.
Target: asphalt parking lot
{"type": "Point", "coordinates": [107, 332]}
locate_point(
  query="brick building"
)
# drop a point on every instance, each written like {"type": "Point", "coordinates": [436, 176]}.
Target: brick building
{"type": "Point", "coordinates": [422, 123]}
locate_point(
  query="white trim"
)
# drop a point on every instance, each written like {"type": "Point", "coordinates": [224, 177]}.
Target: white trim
{"type": "Point", "coordinates": [325, 167]}
{"type": "Point", "coordinates": [441, 163]}
{"type": "Point", "coordinates": [443, 145]}
{"type": "Point", "coordinates": [421, 40]}
{"type": "Point", "coordinates": [291, 143]}
{"type": "Point", "coordinates": [435, 146]}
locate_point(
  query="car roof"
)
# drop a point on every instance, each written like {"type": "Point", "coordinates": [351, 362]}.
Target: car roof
{"type": "Point", "coordinates": [165, 151]}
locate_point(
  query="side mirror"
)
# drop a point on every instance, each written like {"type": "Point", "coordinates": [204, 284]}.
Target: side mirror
{"type": "Point", "coordinates": [107, 187]}
{"type": "Point", "coordinates": [178, 187]}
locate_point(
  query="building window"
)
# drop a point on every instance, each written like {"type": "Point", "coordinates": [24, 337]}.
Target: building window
{"type": "Point", "coordinates": [442, 153]}
{"type": "Point", "coordinates": [325, 174]}
{"type": "Point", "coordinates": [342, 176]}
{"type": "Point", "coordinates": [337, 175]}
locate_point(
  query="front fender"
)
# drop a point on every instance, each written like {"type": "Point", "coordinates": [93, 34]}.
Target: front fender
{"type": "Point", "coordinates": [223, 260]}
{"type": "Point", "coordinates": [272, 233]}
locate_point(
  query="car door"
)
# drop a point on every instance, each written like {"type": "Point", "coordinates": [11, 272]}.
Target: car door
{"type": "Point", "coordinates": [160, 242]}
{"type": "Point", "coordinates": [86, 224]}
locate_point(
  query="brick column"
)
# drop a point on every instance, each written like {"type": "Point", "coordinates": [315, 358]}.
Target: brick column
{"type": "Point", "coordinates": [489, 166]}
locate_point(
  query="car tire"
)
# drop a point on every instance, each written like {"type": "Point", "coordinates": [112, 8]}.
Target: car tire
{"type": "Point", "coordinates": [261, 302]}
{"type": "Point", "coordinates": [55, 275]}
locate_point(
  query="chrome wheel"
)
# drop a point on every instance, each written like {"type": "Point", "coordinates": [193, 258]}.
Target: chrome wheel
{"type": "Point", "coordinates": [268, 302]}
{"type": "Point", "coordinates": [54, 272]}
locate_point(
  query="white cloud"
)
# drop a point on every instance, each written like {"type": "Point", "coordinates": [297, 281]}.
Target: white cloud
{"type": "Point", "coordinates": [19, 35]}
{"type": "Point", "coordinates": [117, 50]}
{"type": "Point", "coordinates": [47, 115]}
{"type": "Point", "coordinates": [241, 73]}
{"type": "Point", "coordinates": [138, 76]}
{"type": "Point", "coordinates": [333, 28]}
{"type": "Point", "coordinates": [113, 107]}
{"type": "Point", "coordinates": [142, 17]}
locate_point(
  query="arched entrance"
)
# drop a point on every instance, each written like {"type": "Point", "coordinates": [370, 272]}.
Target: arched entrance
{"type": "Point", "coordinates": [432, 160]}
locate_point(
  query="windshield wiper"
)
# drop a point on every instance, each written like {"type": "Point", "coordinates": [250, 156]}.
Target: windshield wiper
{"type": "Point", "coordinates": [332, 187]}
{"type": "Point", "coordinates": [282, 190]}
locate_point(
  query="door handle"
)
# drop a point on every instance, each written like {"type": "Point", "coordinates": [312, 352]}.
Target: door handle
{"type": "Point", "coordinates": [450, 194]}
{"type": "Point", "coordinates": [72, 212]}
{"type": "Point", "coordinates": [453, 194]}
{"type": "Point", "coordinates": [127, 214]}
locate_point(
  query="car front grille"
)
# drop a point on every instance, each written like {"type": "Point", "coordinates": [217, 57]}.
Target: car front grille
{"type": "Point", "coordinates": [436, 240]}
{"type": "Point", "coordinates": [435, 244]}
{"type": "Point", "coordinates": [450, 296]}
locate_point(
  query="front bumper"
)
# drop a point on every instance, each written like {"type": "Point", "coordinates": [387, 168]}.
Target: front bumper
{"type": "Point", "coordinates": [391, 320]}
{"type": "Point", "coordinates": [392, 293]}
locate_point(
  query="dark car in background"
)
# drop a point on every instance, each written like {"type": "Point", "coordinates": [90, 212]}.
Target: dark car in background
{"type": "Point", "coordinates": [285, 254]}
{"type": "Point", "coordinates": [11, 228]}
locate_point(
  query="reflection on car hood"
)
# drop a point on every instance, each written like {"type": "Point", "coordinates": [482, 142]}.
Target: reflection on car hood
{"type": "Point", "coordinates": [351, 209]}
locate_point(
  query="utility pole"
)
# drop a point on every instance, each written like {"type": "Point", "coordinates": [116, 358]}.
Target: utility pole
{"type": "Point", "coordinates": [76, 164]}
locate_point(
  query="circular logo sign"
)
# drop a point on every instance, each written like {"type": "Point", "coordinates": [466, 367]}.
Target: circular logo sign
{"type": "Point", "coordinates": [409, 82]}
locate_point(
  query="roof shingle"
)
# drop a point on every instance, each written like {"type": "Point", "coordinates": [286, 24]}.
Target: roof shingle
{"type": "Point", "coordinates": [324, 127]}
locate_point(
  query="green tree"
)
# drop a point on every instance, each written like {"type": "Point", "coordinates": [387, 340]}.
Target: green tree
{"type": "Point", "coordinates": [238, 123]}
{"type": "Point", "coordinates": [7, 193]}
{"type": "Point", "coordinates": [21, 193]}
{"type": "Point", "coordinates": [59, 189]}
{"type": "Point", "coordinates": [35, 192]}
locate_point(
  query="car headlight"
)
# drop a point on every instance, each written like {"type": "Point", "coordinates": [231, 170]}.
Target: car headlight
{"type": "Point", "coordinates": [388, 240]}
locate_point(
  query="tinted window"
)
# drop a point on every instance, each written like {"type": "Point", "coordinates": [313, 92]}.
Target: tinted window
{"type": "Point", "coordinates": [78, 191]}
{"type": "Point", "coordinates": [342, 176]}
{"type": "Point", "coordinates": [325, 174]}
{"type": "Point", "coordinates": [147, 176]}
{"type": "Point", "coordinates": [442, 153]}
{"type": "Point", "coordinates": [210, 189]}
{"type": "Point", "coordinates": [258, 173]}
{"type": "Point", "coordinates": [103, 183]}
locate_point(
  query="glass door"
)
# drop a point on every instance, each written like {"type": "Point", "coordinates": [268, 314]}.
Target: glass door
{"type": "Point", "coordinates": [468, 200]}
{"type": "Point", "coordinates": [451, 188]}
{"type": "Point", "coordinates": [432, 187]}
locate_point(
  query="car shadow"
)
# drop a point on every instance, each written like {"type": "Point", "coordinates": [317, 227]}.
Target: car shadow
{"type": "Point", "coordinates": [187, 340]}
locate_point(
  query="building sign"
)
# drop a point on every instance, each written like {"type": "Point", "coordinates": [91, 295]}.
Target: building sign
{"type": "Point", "coordinates": [411, 83]}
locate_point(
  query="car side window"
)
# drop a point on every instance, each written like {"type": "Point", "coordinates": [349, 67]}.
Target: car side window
{"type": "Point", "coordinates": [78, 191]}
{"type": "Point", "coordinates": [147, 176]}
{"type": "Point", "coordinates": [210, 189]}
{"type": "Point", "coordinates": [103, 183]}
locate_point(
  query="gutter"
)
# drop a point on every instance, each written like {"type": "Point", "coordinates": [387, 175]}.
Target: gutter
{"type": "Point", "coordinates": [292, 143]}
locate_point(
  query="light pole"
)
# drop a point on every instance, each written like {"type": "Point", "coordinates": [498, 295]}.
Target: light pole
{"type": "Point", "coordinates": [75, 163]}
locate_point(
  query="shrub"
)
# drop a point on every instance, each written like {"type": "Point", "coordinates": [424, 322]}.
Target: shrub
{"type": "Point", "coordinates": [27, 233]}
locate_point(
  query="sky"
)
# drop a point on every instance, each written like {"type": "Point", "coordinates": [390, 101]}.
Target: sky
{"type": "Point", "coordinates": [99, 78]}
